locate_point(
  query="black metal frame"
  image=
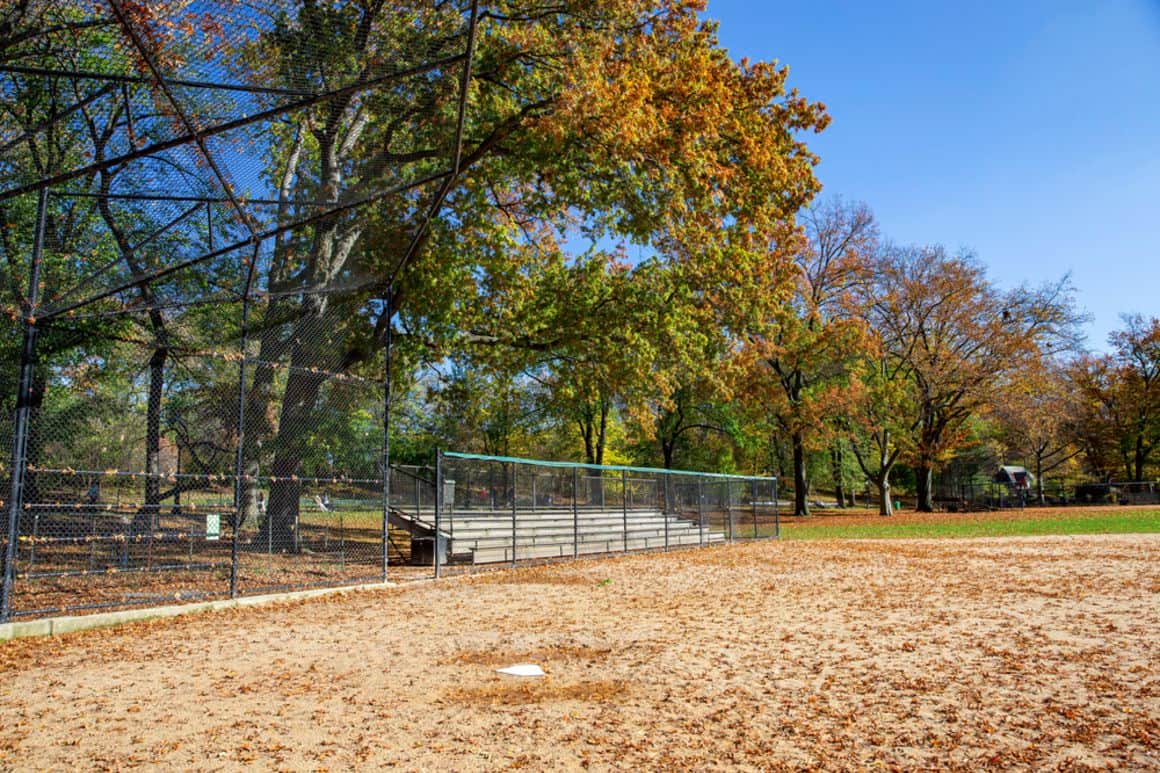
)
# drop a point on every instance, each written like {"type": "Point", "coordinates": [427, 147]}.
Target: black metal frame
{"type": "Point", "coordinates": [36, 315]}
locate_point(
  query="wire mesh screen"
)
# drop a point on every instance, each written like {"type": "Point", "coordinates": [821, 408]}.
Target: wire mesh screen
{"type": "Point", "coordinates": [207, 210]}
{"type": "Point", "coordinates": [496, 511]}
{"type": "Point", "coordinates": [203, 207]}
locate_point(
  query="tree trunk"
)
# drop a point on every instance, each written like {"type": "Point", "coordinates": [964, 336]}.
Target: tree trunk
{"type": "Point", "coordinates": [280, 529]}
{"type": "Point", "coordinates": [1141, 458]}
{"type": "Point", "coordinates": [144, 521]}
{"type": "Point", "coordinates": [153, 428]}
{"type": "Point", "coordinates": [314, 356]}
{"type": "Point", "coordinates": [836, 471]}
{"type": "Point", "coordinates": [1039, 477]}
{"type": "Point", "coordinates": [885, 504]}
{"type": "Point", "coordinates": [924, 482]}
{"type": "Point", "coordinates": [801, 483]}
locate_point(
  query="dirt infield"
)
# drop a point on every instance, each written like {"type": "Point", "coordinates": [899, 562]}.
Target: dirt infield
{"type": "Point", "coordinates": [1027, 652]}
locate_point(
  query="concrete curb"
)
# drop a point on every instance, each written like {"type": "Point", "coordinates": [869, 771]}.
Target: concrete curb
{"type": "Point", "coordinates": [55, 626]}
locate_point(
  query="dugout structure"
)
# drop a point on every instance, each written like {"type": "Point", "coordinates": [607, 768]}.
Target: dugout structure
{"type": "Point", "coordinates": [205, 206]}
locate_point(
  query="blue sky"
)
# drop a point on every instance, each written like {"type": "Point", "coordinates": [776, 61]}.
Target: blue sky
{"type": "Point", "coordinates": [1027, 131]}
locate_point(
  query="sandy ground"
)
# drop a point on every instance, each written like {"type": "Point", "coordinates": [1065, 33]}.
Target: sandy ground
{"type": "Point", "coordinates": [1024, 652]}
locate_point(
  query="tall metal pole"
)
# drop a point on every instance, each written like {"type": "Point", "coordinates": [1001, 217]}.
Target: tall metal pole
{"type": "Point", "coordinates": [438, 509]}
{"type": "Point", "coordinates": [23, 406]}
{"type": "Point", "coordinates": [240, 458]}
{"type": "Point", "coordinates": [388, 311]}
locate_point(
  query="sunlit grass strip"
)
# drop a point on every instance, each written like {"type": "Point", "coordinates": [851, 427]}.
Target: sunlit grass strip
{"type": "Point", "coordinates": [1099, 522]}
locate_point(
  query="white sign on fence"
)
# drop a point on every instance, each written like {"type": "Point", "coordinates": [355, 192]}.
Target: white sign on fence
{"type": "Point", "coordinates": [213, 526]}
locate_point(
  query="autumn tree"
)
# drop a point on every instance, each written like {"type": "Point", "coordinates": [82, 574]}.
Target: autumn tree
{"type": "Point", "coordinates": [1035, 415]}
{"type": "Point", "coordinates": [959, 338]}
{"type": "Point", "coordinates": [1120, 400]}
{"type": "Point", "coordinates": [808, 347]}
{"type": "Point", "coordinates": [880, 430]}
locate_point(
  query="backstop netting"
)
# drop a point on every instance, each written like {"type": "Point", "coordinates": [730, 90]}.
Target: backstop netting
{"type": "Point", "coordinates": [205, 206]}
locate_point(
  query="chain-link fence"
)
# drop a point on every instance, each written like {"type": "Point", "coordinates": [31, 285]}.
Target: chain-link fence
{"type": "Point", "coordinates": [989, 495]}
{"type": "Point", "coordinates": [202, 236]}
{"type": "Point", "coordinates": [208, 215]}
{"type": "Point", "coordinates": [494, 510]}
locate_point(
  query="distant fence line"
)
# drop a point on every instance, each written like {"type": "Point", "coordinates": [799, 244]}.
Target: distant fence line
{"type": "Point", "coordinates": [973, 495]}
{"type": "Point", "coordinates": [90, 540]}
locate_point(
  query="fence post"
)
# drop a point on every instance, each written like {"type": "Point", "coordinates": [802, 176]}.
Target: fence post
{"type": "Point", "coordinates": [514, 512]}
{"type": "Point", "coordinates": [624, 504]}
{"type": "Point", "coordinates": [418, 498]}
{"type": "Point", "coordinates": [776, 516]}
{"type": "Point", "coordinates": [701, 510]}
{"type": "Point", "coordinates": [438, 509]}
{"type": "Point", "coordinates": [23, 407]}
{"type": "Point", "coordinates": [667, 508]}
{"type": "Point", "coordinates": [575, 517]}
{"type": "Point", "coordinates": [729, 505]}
{"type": "Point", "coordinates": [753, 503]}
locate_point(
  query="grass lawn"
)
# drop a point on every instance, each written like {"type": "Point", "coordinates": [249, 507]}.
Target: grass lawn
{"type": "Point", "coordinates": [1013, 523]}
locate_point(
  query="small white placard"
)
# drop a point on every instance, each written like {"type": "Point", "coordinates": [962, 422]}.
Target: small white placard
{"type": "Point", "coordinates": [213, 526]}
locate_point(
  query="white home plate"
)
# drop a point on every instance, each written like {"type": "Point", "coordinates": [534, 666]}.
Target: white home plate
{"type": "Point", "coordinates": [523, 669]}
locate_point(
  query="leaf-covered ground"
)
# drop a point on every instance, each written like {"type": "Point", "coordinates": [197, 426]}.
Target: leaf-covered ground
{"type": "Point", "coordinates": [1030, 652]}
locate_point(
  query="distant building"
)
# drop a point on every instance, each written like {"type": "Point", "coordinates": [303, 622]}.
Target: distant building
{"type": "Point", "coordinates": [1015, 478]}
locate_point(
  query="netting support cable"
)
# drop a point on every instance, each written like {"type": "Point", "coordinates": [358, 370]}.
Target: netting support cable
{"type": "Point", "coordinates": [182, 116]}
{"type": "Point", "coordinates": [460, 120]}
{"type": "Point", "coordinates": [187, 199]}
{"type": "Point", "coordinates": [23, 407]}
{"type": "Point", "coordinates": [262, 116]}
{"type": "Point", "coordinates": [115, 79]}
{"type": "Point", "coordinates": [48, 122]}
{"type": "Point", "coordinates": [95, 275]}
{"type": "Point", "coordinates": [263, 236]}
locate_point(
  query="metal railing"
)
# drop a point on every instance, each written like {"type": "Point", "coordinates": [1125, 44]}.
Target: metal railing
{"type": "Point", "coordinates": [495, 510]}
